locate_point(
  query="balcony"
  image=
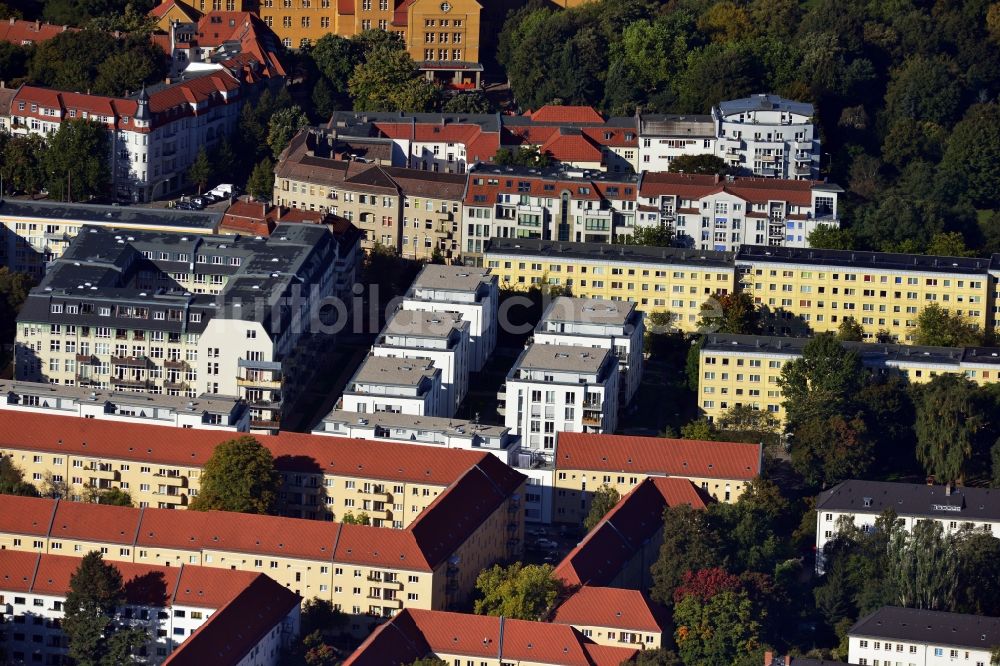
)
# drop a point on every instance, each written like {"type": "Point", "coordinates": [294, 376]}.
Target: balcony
{"type": "Point", "coordinates": [132, 382]}
{"type": "Point", "coordinates": [591, 420]}
{"type": "Point", "coordinates": [176, 364]}
{"type": "Point", "coordinates": [375, 495]}
{"type": "Point", "coordinates": [258, 382]}
{"type": "Point", "coordinates": [593, 405]}
{"type": "Point", "coordinates": [131, 361]}
{"type": "Point", "coordinates": [180, 386]}
{"type": "Point", "coordinates": [102, 472]}
{"type": "Point", "coordinates": [801, 170]}
{"type": "Point", "coordinates": [167, 498]}
{"type": "Point", "coordinates": [380, 514]}
{"type": "Point", "coordinates": [392, 603]}
{"type": "Point", "coordinates": [264, 424]}
{"type": "Point", "coordinates": [171, 481]}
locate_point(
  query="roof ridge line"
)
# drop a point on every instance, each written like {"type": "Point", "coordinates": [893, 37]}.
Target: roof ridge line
{"type": "Point", "coordinates": [34, 573]}
{"type": "Point", "coordinates": [52, 519]}
{"type": "Point", "coordinates": [177, 585]}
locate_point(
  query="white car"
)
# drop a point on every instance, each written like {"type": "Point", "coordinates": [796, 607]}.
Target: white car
{"type": "Point", "coordinates": [546, 543]}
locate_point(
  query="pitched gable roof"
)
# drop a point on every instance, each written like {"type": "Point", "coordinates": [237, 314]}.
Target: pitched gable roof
{"type": "Point", "coordinates": [613, 607]}
{"type": "Point", "coordinates": [551, 113]}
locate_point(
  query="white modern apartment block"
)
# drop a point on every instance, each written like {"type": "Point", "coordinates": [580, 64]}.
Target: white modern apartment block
{"type": "Point", "coordinates": [403, 386]}
{"type": "Point", "coordinates": [422, 431]}
{"type": "Point", "coordinates": [185, 315]}
{"type": "Point", "coordinates": [663, 138]}
{"type": "Point", "coordinates": [440, 337]}
{"type": "Point", "coordinates": [613, 325]}
{"type": "Point", "coordinates": [864, 501]}
{"type": "Point", "coordinates": [208, 412]}
{"type": "Point", "coordinates": [916, 637]}
{"type": "Point", "coordinates": [35, 233]}
{"type": "Point", "coordinates": [559, 388]}
{"type": "Point", "coordinates": [470, 292]}
{"type": "Point", "coordinates": [713, 212]}
{"type": "Point", "coordinates": [192, 614]}
{"type": "Point", "coordinates": [768, 135]}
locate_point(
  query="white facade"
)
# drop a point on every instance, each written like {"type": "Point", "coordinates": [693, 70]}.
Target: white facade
{"type": "Point", "coordinates": [557, 388]}
{"type": "Point", "coordinates": [401, 386]}
{"type": "Point", "coordinates": [769, 136]}
{"type": "Point", "coordinates": [665, 138]}
{"type": "Point", "coordinates": [868, 651]}
{"type": "Point", "coordinates": [470, 292]}
{"type": "Point", "coordinates": [915, 637]}
{"type": "Point", "coordinates": [613, 325]}
{"type": "Point", "coordinates": [207, 412]}
{"type": "Point", "coordinates": [441, 337]}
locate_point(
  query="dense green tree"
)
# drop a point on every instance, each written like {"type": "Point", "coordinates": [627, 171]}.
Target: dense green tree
{"type": "Point", "coordinates": [605, 498]}
{"type": "Point", "coordinates": [200, 170]}
{"type": "Point", "coordinates": [12, 478]}
{"type": "Point", "coordinates": [260, 186]}
{"type": "Point", "coordinates": [722, 629]}
{"type": "Point", "coordinates": [14, 288]}
{"type": "Point", "coordinates": [282, 126]}
{"type": "Point", "coordinates": [94, 635]}
{"type": "Point", "coordinates": [850, 330]}
{"type": "Point", "coordinates": [829, 449]}
{"type": "Point", "coordinates": [336, 58]}
{"type": "Point", "coordinates": [978, 576]}
{"type": "Point", "coordinates": [324, 100]}
{"type": "Point", "coordinates": [22, 164]}
{"type": "Point", "coordinates": [923, 570]}
{"type": "Point", "coordinates": [733, 313]}
{"type": "Point", "coordinates": [703, 164]}
{"type": "Point", "coordinates": [822, 382]}
{"type": "Point", "coordinates": [923, 89]}
{"type": "Point", "coordinates": [222, 158]}
{"type": "Point", "coordinates": [83, 12]}
{"type": "Point", "coordinates": [71, 60]}
{"type": "Point", "coordinates": [969, 162]}
{"type": "Point", "coordinates": [700, 429]}
{"type": "Point", "coordinates": [523, 592]}
{"type": "Point", "coordinates": [651, 236]}
{"type": "Point", "coordinates": [658, 657]}
{"type": "Point", "coordinates": [527, 156]}
{"type": "Point", "coordinates": [938, 327]}
{"type": "Point", "coordinates": [239, 476]}
{"type": "Point", "coordinates": [948, 428]}
{"type": "Point", "coordinates": [468, 102]}
{"type": "Point", "coordinates": [361, 518]}
{"type": "Point", "coordinates": [388, 80]}
{"type": "Point", "coordinates": [137, 61]}
{"type": "Point", "coordinates": [948, 244]}
{"type": "Point", "coordinates": [14, 60]}
{"type": "Point", "coordinates": [76, 160]}
{"type": "Point", "coordinates": [689, 544]}
{"type": "Point", "coordinates": [112, 496]}
{"type": "Point", "coordinates": [751, 530]}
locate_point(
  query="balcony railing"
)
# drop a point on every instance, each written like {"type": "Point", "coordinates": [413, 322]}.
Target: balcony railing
{"type": "Point", "coordinates": [131, 361]}
{"type": "Point", "coordinates": [591, 420]}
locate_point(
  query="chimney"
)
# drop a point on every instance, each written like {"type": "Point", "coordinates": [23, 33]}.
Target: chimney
{"type": "Point", "coordinates": [279, 212]}
{"type": "Point", "coordinates": [947, 489]}
{"type": "Point", "coordinates": [263, 209]}
{"type": "Point", "coordinates": [716, 178]}
{"type": "Point", "coordinates": [768, 658]}
{"type": "Point", "coordinates": [38, 25]}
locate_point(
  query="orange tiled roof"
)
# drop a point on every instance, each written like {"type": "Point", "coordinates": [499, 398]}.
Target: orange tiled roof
{"type": "Point", "coordinates": [757, 190]}
{"type": "Point", "coordinates": [610, 607]}
{"type": "Point", "coordinates": [608, 547]}
{"type": "Point", "coordinates": [192, 447]}
{"type": "Point", "coordinates": [414, 633]}
{"type": "Point", "coordinates": [569, 146]}
{"type": "Point", "coordinates": [21, 32]}
{"type": "Point", "coordinates": [658, 455]}
{"type": "Point", "coordinates": [551, 113]}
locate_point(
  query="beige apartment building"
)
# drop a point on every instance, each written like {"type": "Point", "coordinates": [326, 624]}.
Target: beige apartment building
{"type": "Point", "coordinates": [369, 573]}
{"type": "Point", "coordinates": [737, 370]}
{"type": "Point", "coordinates": [414, 213]}
{"type": "Point", "coordinates": [585, 462]}
{"type": "Point", "coordinates": [323, 477]}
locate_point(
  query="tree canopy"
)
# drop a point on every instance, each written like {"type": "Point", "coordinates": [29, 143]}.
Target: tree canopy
{"type": "Point", "coordinates": [938, 327]}
{"type": "Point", "coordinates": [604, 499]}
{"type": "Point", "coordinates": [76, 161]}
{"type": "Point", "coordinates": [388, 80]}
{"type": "Point", "coordinates": [239, 476]}
{"type": "Point", "coordinates": [523, 592]}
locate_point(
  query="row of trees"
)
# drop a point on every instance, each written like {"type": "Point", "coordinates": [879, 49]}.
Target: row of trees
{"type": "Point", "coordinates": [72, 163]}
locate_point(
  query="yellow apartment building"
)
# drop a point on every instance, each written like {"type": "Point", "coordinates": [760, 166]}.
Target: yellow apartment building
{"type": "Point", "coordinates": [807, 289]}
{"type": "Point", "coordinates": [368, 572]}
{"type": "Point", "coordinates": [736, 370]}
{"type": "Point", "coordinates": [657, 279]}
{"type": "Point", "coordinates": [323, 477]}
{"type": "Point", "coordinates": [615, 617]}
{"type": "Point", "coordinates": [584, 462]}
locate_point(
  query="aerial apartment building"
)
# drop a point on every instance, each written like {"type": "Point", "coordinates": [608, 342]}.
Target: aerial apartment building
{"type": "Point", "coordinates": [209, 412]}
{"type": "Point", "coordinates": [559, 388]}
{"type": "Point", "coordinates": [439, 337]}
{"type": "Point", "coordinates": [322, 478]}
{"type": "Point", "coordinates": [185, 315]}
{"type": "Point", "coordinates": [922, 638]}
{"type": "Point", "coordinates": [369, 573]}
{"type": "Point", "coordinates": [35, 233]}
{"type": "Point", "coordinates": [737, 370]}
{"type": "Point", "coordinates": [396, 385]}
{"type": "Point", "coordinates": [585, 462]}
{"type": "Point", "coordinates": [768, 135]}
{"type": "Point", "coordinates": [470, 292]}
{"type": "Point", "coordinates": [862, 502]}
{"type": "Point", "coordinates": [809, 289]}
{"type": "Point", "coordinates": [416, 214]}
{"type": "Point", "coordinates": [552, 204]}
{"type": "Point", "coordinates": [615, 617]}
{"type": "Point", "coordinates": [460, 638]}
{"type": "Point", "coordinates": [436, 431]}
{"type": "Point", "coordinates": [191, 614]}
{"type": "Point", "coordinates": [613, 325]}
{"type": "Point", "coordinates": [657, 279]}
{"type": "Point", "coordinates": [725, 212]}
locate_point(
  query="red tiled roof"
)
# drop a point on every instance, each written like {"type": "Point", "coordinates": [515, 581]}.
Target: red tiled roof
{"type": "Point", "coordinates": [192, 448]}
{"type": "Point", "coordinates": [610, 607]}
{"type": "Point", "coordinates": [508, 184]}
{"type": "Point", "coordinates": [756, 190]}
{"type": "Point", "coordinates": [551, 113]}
{"type": "Point", "coordinates": [414, 633]}
{"type": "Point", "coordinates": [658, 455]}
{"type": "Point", "coordinates": [103, 523]}
{"type": "Point", "coordinates": [29, 516]}
{"type": "Point", "coordinates": [479, 145]}
{"type": "Point", "coordinates": [71, 104]}
{"type": "Point", "coordinates": [236, 628]}
{"type": "Point", "coordinates": [250, 217]}
{"type": "Point", "coordinates": [145, 584]}
{"type": "Point", "coordinates": [608, 547]}
{"type": "Point", "coordinates": [617, 138]}
{"type": "Point", "coordinates": [571, 147]}
{"type": "Point", "coordinates": [21, 32]}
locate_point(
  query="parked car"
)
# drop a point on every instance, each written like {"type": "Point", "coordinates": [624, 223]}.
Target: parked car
{"type": "Point", "coordinates": [546, 544]}
{"type": "Point", "coordinates": [183, 205]}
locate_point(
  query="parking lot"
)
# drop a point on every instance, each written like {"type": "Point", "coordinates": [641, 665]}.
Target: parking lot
{"type": "Point", "coordinates": [547, 544]}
